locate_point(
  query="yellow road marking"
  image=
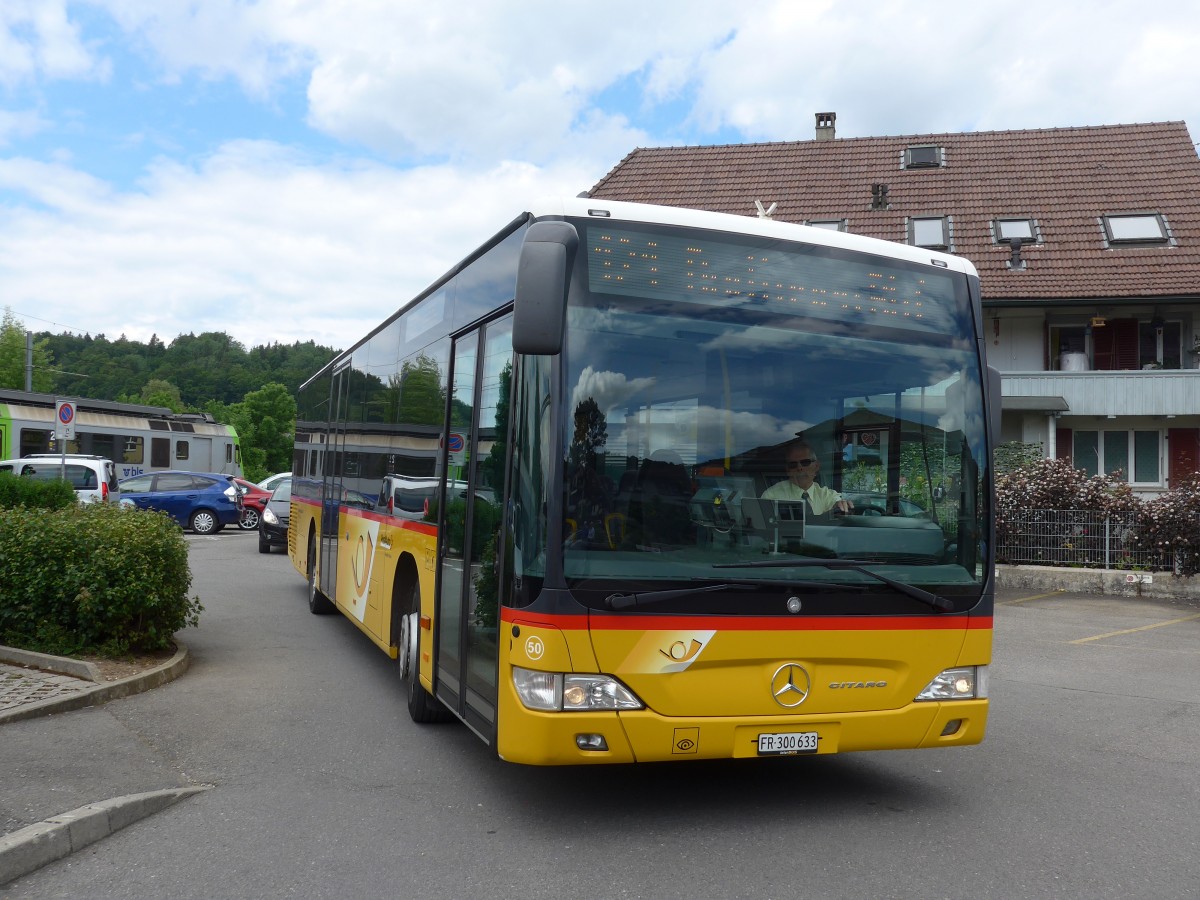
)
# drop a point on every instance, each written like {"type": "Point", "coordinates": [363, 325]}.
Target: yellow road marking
{"type": "Point", "coordinates": [1034, 597]}
{"type": "Point", "coordinates": [1100, 637]}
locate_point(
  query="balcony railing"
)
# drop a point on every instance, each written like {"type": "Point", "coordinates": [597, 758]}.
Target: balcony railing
{"type": "Point", "coordinates": [1146, 392]}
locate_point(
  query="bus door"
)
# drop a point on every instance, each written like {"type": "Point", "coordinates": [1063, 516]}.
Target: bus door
{"type": "Point", "coordinates": [476, 441]}
{"type": "Point", "coordinates": [331, 492]}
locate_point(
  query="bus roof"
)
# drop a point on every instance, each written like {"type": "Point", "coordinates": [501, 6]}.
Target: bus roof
{"type": "Point", "coordinates": [585, 207]}
{"type": "Point", "coordinates": [620, 210]}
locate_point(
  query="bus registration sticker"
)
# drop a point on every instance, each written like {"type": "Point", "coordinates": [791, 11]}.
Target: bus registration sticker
{"type": "Point", "coordinates": [787, 742]}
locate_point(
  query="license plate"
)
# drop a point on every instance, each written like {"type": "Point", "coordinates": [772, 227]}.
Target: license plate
{"type": "Point", "coordinates": [787, 742]}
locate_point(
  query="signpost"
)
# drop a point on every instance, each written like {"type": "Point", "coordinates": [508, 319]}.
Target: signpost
{"type": "Point", "coordinates": [64, 430]}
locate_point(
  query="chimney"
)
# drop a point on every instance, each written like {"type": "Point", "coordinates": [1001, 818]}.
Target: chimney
{"type": "Point", "coordinates": [825, 129]}
{"type": "Point", "coordinates": [1015, 261]}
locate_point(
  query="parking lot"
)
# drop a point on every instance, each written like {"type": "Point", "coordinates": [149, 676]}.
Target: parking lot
{"type": "Point", "coordinates": [322, 786]}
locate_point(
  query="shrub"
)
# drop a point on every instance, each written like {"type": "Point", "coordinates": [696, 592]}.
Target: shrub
{"type": "Point", "coordinates": [1015, 454]}
{"type": "Point", "coordinates": [1170, 526]}
{"type": "Point", "coordinates": [97, 578]}
{"type": "Point", "coordinates": [1167, 526]}
{"type": "Point", "coordinates": [28, 492]}
{"type": "Point", "coordinates": [1055, 484]}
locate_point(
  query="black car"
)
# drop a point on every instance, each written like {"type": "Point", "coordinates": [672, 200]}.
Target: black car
{"type": "Point", "coordinates": [273, 524]}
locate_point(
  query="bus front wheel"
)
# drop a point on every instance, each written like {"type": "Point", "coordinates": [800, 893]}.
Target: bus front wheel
{"type": "Point", "coordinates": [423, 707]}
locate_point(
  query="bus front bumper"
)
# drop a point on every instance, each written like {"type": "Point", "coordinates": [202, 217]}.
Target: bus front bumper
{"type": "Point", "coordinates": [538, 738]}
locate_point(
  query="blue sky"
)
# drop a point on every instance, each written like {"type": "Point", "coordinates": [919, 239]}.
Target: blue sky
{"type": "Point", "coordinates": [296, 169]}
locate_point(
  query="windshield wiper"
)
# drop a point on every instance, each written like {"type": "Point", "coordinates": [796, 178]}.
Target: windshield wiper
{"type": "Point", "coordinates": [629, 601]}
{"type": "Point", "coordinates": [853, 565]}
{"type": "Point", "coordinates": [645, 598]}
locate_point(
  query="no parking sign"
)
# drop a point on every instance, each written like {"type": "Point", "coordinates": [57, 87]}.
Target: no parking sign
{"type": "Point", "coordinates": [64, 420]}
{"type": "Point", "coordinates": [457, 445]}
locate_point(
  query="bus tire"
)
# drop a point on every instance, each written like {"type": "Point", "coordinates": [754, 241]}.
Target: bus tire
{"type": "Point", "coordinates": [423, 707]}
{"type": "Point", "coordinates": [318, 603]}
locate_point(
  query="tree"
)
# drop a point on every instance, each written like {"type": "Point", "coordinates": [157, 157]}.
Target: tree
{"type": "Point", "coordinates": [12, 357]}
{"type": "Point", "coordinates": [265, 421]}
{"type": "Point", "coordinates": [159, 392]}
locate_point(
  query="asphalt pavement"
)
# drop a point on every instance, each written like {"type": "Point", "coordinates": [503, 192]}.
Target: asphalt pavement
{"type": "Point", "coordinates": [72, 774]}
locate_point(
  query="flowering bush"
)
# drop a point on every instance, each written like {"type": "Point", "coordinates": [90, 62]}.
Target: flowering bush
{"type": "Point", "coordinates": [1168, 526]}
{"type": "Point", "coordinates": [1056, 484]}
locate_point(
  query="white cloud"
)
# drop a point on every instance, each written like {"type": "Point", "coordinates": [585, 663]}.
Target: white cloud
{"type": "Point", "coordinates": [496, 102]}
{"type": "Point", "coordinates": [257, 242]}
{"type": "Point", "coordinates": [416, 80]}
{"type": "Point", "coordinates": [38, 39]}
{"type": "Point", "coordinates": [934, 66]}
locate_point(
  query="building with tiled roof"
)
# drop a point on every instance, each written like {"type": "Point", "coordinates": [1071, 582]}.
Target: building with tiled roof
{"type": "Point", "coordinates": [1087, 243]}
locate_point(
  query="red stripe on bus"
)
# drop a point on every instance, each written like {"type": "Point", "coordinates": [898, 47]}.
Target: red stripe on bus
{"type": "Point", "coordinates": [407, 525]}
{"type": "Point", "coordinates": [605, 622]}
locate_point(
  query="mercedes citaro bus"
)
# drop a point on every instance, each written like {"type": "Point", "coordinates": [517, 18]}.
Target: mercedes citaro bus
{"type": "Point", "coordinates": [598, 398]}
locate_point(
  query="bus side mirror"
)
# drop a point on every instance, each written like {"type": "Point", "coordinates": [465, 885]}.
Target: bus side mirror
{"type": "Point", "coordinates": [543, 275]}
{"type": "Point", "coordinates": [993, 385]}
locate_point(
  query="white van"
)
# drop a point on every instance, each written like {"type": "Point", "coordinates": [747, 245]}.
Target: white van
{"type": "Point", "coordinates": [93, 477]}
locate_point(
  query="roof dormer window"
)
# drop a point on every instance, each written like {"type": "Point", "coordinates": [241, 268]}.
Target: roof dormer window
{"type": "Point", "coordinates": [929, 231]}
{"type": "Point", "coordinates": [1008, 230]}
{"type": "Point", "coordinates": [923, 157]}
{"type": "Point", "coordinates": [1135, 228]}
{"type": "Point", "coordinates": [828, 224]}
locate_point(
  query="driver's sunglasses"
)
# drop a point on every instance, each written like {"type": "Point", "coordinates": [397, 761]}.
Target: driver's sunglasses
{"type": "Point", "coordinates": [800, 463]}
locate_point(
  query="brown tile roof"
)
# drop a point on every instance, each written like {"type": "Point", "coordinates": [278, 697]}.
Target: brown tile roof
{"type": "Point", "coordinates": [1064, 178]}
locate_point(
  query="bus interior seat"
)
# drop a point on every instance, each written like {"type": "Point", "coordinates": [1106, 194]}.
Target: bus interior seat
{"type": "Point", "coordinates": [659, 504]}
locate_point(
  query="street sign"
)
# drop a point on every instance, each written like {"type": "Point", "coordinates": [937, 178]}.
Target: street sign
{"type": "Point", "coordinates": [457, 445]}
{"type": "Point", "coordinates": [64, 420]}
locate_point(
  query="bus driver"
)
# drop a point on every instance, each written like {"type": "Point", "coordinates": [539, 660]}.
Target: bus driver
{"type": "Point", "coordinates": [802, 469]}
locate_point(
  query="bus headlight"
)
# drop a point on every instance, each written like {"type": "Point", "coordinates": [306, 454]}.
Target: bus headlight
{"type": "Point", "coordinates": [966, 683]}
{"type": "Point", "coordinates": [559, 692]}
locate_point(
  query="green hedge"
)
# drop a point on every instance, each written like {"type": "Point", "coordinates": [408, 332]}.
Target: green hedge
{"type": "Point", "coordinates": [16, 491]}
{"type": "Point", "coordinates": [93, 579]}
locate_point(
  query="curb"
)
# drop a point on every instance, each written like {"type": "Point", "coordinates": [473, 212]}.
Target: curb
{"type": "Point", "coordinates": [24, 851]}
{"type": "Point", "coordinates": [60, 665]}
{"type": "Point", "coordinates": [1163, 586]}
{"type": "Point", "coordinates": [92, 696]}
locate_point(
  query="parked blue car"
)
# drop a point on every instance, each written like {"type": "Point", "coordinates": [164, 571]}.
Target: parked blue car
{"type": "Point", "coordinates": [203, 501]}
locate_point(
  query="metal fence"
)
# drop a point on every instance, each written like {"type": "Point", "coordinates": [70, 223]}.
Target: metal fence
{"type": "Point", "coordinates": [1077, 538]}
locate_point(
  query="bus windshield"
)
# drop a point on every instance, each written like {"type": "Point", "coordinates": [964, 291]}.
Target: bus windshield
{"type": "Point", "coordinates": [745, 415]}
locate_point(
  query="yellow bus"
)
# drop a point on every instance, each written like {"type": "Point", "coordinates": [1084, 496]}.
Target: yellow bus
{"type": "Point", "coordinates": [559, 487]}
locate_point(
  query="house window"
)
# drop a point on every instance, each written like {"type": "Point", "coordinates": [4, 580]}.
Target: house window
{"type": "Point", "coordinates": [1069, 348]}
{"type": "Point", "coordinates": [828, 224]}
{"type": "Point", "coordinates": [1111, 451]}
{"type": "Point", "coordinates": [1007, 230]}
{"type": "Point", "coordinates": [933, 232]}
{"type": "Point", "coordinates": [1137, 228]}
{"type": "Point", "coordinates": [1160, 344]}
{"type": "Point", "coordinates": [928, 157]}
